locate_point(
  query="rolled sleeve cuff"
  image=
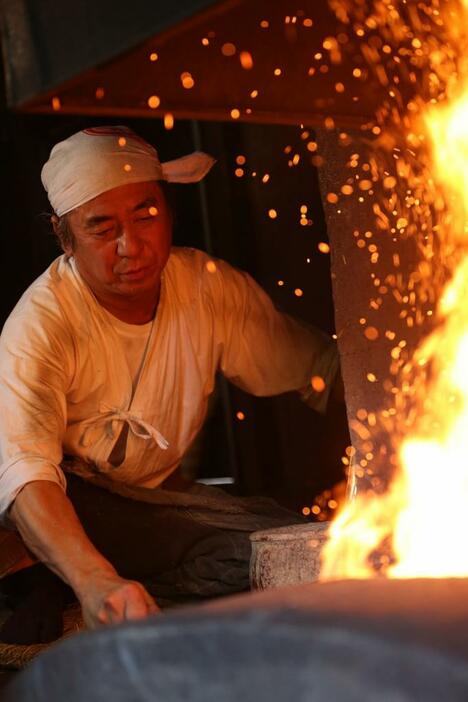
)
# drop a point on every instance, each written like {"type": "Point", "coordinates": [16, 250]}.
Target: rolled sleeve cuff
{"type": "Point", "coordinates": [18, 473]}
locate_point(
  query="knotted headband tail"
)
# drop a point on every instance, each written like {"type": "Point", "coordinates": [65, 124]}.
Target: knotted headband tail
{"type": "Point", "coordinates": [188, 169]}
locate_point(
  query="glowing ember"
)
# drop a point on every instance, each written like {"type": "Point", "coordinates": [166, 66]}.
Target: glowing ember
{"type": "Point", "coordinates": [371, 333]}
{"type": "Point", "coordinates": [395, 530]}
{"type": "Point", "coordinates": [154, 102]}
{"type": "Point", "coordinates": [228, 49]}
{"type": "Point", "coordinates": [168, 120]}
{"type": "Point", "coordinates": [246, 60]}
{"type": "Point", "coordinates": [318, 383]}
{"type": "Point", "coordinates": [187, 80]}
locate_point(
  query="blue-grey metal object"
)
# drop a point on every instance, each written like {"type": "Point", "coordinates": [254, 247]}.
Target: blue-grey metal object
{"type": "Point", "coordinates": [354, 641]}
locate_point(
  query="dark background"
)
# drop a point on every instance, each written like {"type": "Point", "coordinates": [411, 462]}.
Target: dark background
{"type": "Point", "coordinates": [281, 448]}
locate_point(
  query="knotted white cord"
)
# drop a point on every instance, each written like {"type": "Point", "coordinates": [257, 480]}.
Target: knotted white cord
{"type": "Point", "coordinates": [139, 427]}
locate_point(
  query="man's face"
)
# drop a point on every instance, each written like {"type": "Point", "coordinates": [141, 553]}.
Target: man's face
{"type": "Point", "coordinates": [122, 242]}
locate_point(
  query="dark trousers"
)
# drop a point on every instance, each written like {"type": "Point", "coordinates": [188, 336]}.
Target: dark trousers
{"type": "Point", "coordinates": [181, 545]}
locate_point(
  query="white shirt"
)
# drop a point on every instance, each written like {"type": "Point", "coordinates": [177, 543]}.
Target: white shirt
{"type": "Point", "coordinates": [134, 338]}
{"type": "Point", "coordinates": [66, 387]}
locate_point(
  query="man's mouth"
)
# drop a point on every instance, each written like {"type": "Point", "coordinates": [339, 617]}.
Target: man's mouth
{"type": "Point", "coordinates": [135, 273]}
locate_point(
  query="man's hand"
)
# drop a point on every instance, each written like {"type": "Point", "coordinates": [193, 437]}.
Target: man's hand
{"type": "Point", "coordinates": [110, 599]}
{"type": "Point", "coordinates": [50, 528]}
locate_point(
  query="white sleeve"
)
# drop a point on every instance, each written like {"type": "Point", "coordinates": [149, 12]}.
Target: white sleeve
{"type": "Point", "coordinates": [34, 372]}
{"type": "Point", "coordinates": [264, 351]}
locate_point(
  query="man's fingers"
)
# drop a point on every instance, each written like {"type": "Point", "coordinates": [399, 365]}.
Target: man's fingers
{"type": "Point", "coordinates": [139, 603]}
{"type": "Point", "coordinates": [103, 616]}
{"type": "Point", "coordinates": [130, 601]}
{"type": "Point", "coordinates": [136, 608]}
{"type": "Point", "coordinates": [113, 610]}
{"type": "Point", "coordinates": [152, 606]}
{"type": "Point", "coordinates": [119, 601]}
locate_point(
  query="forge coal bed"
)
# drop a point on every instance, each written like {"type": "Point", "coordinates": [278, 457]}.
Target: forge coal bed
{"type": "Point", "coordinates": [347, 641]}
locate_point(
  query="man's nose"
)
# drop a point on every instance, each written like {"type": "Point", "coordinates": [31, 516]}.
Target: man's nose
{"type": "Point", "coordinates": [128, 243]}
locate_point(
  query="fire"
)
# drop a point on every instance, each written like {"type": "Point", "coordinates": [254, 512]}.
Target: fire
{"type": "Point", "coordinates": [419, 542]}
{"type": "Point", "coordinates": [398, 532]}
{"type": "Point", "coordinates": [448, 128]}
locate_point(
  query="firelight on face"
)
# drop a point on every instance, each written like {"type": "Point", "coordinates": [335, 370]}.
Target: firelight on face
{"type": "Point", "coordinates": [123, 240]}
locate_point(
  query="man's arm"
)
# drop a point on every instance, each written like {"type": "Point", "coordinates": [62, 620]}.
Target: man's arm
{"type": "Point", "coordinates": [263, 351]}
{"type": "Point", "coordinates": [50, 528]}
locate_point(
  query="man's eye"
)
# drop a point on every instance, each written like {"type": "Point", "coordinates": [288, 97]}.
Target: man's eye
{"type": "Point", "coordinates": [149, 213]}
{"type": "Point", "coordinates": [103, 232]}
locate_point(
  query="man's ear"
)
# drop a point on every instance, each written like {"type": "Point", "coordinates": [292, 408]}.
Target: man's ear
{"type": "Point", "coordinates": [66, 248]}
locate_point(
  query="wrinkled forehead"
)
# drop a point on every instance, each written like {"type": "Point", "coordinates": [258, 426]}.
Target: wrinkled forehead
{"type": "Point", "coordinates": [124, 199]}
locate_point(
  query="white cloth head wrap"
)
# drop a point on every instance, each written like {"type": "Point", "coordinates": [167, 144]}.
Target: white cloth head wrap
{"type": "Point", "coordinates": [101, 158]}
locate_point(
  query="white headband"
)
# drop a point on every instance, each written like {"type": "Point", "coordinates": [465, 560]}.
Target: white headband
{"type": "Point", "coordinates": [101, 158]}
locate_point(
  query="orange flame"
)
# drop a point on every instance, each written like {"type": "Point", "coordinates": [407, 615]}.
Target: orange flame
{"type": "Point", "coordinates": [436, 452]}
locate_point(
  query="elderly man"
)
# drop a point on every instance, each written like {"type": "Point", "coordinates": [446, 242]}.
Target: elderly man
{"type": "Point", "coordinates": [109, 359]}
